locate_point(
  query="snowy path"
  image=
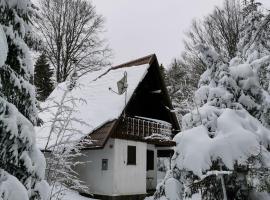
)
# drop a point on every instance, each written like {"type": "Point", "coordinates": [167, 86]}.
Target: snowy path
{"type": "Point", "coordinates": [73, 195]}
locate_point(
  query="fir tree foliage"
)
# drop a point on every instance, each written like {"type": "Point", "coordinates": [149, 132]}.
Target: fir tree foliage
{"type": "Point", "coordinates": [181, 84]}
{"type": "Point", "coordinates": [229, 127]}
{"type": "Point", "coordinates": [220, 31]}
{"type": "Point", "coordinates": [20, 160]}
{"type": "Point", "coordinates": [255, 50]}
{"type": "Point", "coordinates": [43, 78]}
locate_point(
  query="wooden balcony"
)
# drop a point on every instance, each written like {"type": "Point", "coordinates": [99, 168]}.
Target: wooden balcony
{"type": "Point", "coordinates": [144, 127]}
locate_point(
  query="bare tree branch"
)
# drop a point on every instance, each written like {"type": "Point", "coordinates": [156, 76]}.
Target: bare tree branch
{"type": "Point", "coordinates": [71, 33]}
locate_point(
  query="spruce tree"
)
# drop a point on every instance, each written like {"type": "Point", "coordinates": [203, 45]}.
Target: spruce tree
{"type": "Point", "coordinates": [254, 49]}
{"type": "Point", "coordinates": [181, 83]}
{"type": "Point", "coordinates": [19, 155]}
{"type": "Point", "coordinates": [228, 92]}
{"type": "Point", "coordinates": [42, 78]}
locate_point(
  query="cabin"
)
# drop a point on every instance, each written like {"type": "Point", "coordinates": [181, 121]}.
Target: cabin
{"type": "Point", "coordinates": [129, 130]}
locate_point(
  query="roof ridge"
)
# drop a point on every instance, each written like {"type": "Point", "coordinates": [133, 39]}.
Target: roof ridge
{"type": "Point", "coordinates": [136, 62]}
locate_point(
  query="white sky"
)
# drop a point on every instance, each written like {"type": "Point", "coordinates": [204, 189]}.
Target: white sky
{"type": "Point", "coordinates": [136, 28]}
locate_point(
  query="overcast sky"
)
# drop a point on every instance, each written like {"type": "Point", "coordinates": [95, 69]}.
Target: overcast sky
{"type": "Point", "coordinates": [136, 28]}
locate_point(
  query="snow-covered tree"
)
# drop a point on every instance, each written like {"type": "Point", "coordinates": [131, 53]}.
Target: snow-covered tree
{"type": "Point", "coordinates": [220, 137]}
{"type": "Point", "coordinates": [223, 150]}
{"type": "Point", "coordinates": [181, 84]}
{"type": "Point", "coordinates": [22, 165]}
{"type": "Point", "coordinates": [254, 49]}
{"type": "Point", "coordinates": [220, 31]}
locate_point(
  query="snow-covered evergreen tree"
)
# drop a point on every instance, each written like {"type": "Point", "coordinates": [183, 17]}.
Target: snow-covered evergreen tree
{"type": "Point", "coordinates": [43, 78]}
{"type": "Point", "coordinates": [181, 84]}
{"type": "Point", "coordinates": [223, 152]}
{"type": "Point", "coordinates": [220, 31]}
{"type": "Point", "coordinates": [22, 165]}
{"type": "Point", "coordinates": [254, 49]}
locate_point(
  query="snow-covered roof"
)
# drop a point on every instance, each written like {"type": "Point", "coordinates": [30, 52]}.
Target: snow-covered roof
{"type": "Point", "coordinates": [98, 105]}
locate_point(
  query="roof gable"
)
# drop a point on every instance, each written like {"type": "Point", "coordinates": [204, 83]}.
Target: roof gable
{"type": "Point", "coordinates": [95, 104]}
{"type": "Point", "coordinates": [113, 131]}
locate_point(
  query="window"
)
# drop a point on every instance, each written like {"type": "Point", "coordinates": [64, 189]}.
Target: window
{"type": "Point", "coordinates": [104, 165]}
{"type": "Point", "coordinates": [150, 160]}
{"type": "Point", "coordinates": [131, 155]}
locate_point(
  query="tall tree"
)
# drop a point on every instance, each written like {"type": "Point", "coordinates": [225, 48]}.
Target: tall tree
{"type": "Point", "coordinates": [229, 127]}
{"type": "Point", "coordinates": [254, 48]}
{"type": "Point", "coordinates": [220, 30]}
{"type": "Point", "coordinates": [43, 78]}
{"type": "Point", "coordinates": [71, 31]}
{"type": "Point", "coordinates": [19, 155]}
{"type": "Point", "coordinates": [181, 87]}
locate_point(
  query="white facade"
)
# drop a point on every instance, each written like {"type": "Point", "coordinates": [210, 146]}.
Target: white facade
{"type": "Point", "coordinates": [98, 180]}
{"type": "Point", "coordinates": [130, 179]}
{"type": "Point", "coordinates": [119, 178]}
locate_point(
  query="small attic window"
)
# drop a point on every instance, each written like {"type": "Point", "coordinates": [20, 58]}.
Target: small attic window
{"type": "Point", "coordinates": [131, 155]}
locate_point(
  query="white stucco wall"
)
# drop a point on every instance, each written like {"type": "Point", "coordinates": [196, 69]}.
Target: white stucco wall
{"type": "Point", "coordinates": [120, 178]}
{"type": "Point", "coordinates": [98, 181]}
{"type": "Point", "coordinates": [129, 179]}
{"type": "Point", "coordinates": [152, 174]}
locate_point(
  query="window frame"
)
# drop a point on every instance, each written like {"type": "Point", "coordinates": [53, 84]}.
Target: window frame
{"type": "Point", "coordinates": [131, 155]}
{"type": "Point", "coordinates": [104, 164]}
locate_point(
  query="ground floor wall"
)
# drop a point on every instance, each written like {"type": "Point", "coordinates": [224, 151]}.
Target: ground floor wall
{"type": "Point", "coordinates": [129, 179]}
{"type": "Point", "coordinates": [115, 177]}
{"type": "Point", "coordinates": [107, 172]}
{"type": "Point", "coordinates": [98, 179]}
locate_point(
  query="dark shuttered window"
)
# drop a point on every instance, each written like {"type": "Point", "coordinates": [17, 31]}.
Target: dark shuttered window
{"type": "Point", "coordinates": [104, 165]}
{"type": "Point", "coordinates": [150, 160]}
{"type": "Point", "coordinates": [131, 155]}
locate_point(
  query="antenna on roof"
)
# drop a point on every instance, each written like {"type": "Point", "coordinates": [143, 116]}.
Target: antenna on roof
{"type": "Point", "coordinates": [122, 86]}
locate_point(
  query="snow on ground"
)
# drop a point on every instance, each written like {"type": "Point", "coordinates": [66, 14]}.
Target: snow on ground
{"type": "Point", "coordinates": [98, 106]}
{"type": "Point", "coordinates": [72, 195]}
{"type": "Point", "coordinates": [66, 194]}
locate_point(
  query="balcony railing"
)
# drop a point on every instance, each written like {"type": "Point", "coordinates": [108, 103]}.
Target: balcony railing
{"type": "Point", "coordinates": [143, 127]}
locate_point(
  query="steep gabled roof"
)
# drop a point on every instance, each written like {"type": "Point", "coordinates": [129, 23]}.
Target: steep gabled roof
{"type": "Point", "coordinates": [99, 107]}
{"type": "Point", "coordinates": [102, 134]}
{"type": "Point", "coordinates": [95, 103]}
